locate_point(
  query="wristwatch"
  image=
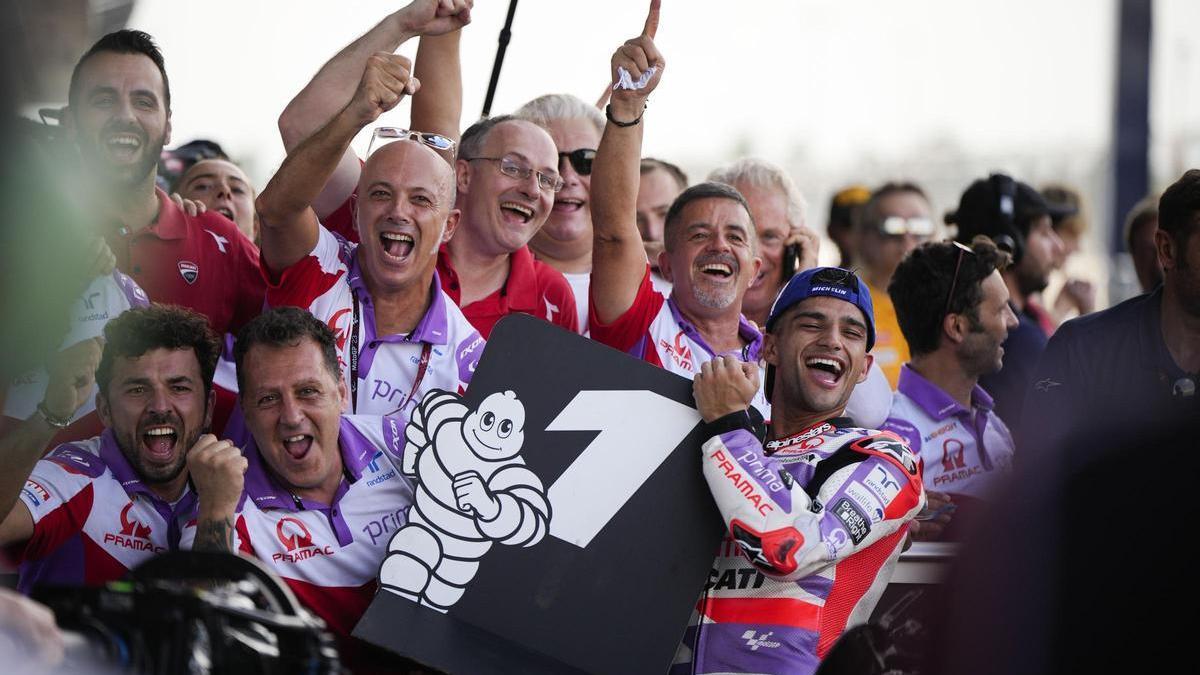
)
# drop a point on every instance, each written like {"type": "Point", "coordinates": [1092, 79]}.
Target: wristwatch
{"type": "Point", "coordinates": [51, 419]}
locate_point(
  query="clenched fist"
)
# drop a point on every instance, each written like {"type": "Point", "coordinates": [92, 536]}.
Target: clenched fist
{"type": "Point", "coordinates": [386, 79]}
{"type": "Point", "coordinates": [218, 472]}
{"type": "Point", "coordinates": [473, 495]}
{"type": "Point", "coordinates": [71, 377]}
{"type": "Point", "coordinates": [724, 386]}
{"type": "Point", "coordinates": [435, 17]}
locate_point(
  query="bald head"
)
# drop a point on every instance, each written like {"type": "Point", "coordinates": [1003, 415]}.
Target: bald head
{"type": "Point", "coordinates": [406, 164]}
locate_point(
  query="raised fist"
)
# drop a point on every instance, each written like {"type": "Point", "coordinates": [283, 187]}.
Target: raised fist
{"type": "Point", "coordinates": [386, 79]}
{"type": "Point", "coordinates": [71, 377]}
{"type": "Point", "coordinates": [473, 495]}
{"type": "Point", "coordinates": [218, 472]}
{"type": "Point", "coordinates": [637, 67]}
{"type": "Point", "coordinates": [436, 17]}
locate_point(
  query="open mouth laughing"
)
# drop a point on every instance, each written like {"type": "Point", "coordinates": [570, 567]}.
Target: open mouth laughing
{"type": "Point", "coordinates": [396, 245]}
{"type": "Point", "coordinates": [517, 211]}
{"type": "Point", "coordinates": [297, 446]}
{"type": "Point", "coordinates": [826, 371]}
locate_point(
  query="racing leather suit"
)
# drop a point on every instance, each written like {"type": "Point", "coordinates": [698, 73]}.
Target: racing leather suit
{"type": "Point", "coordinates": [815, 524]}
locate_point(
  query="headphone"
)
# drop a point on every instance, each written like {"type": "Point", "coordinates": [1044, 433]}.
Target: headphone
{"type": "Point", "coordinates": [1009, 237]}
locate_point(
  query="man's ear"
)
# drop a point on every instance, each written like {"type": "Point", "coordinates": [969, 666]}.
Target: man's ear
{"type": "Point", "coordinates": [167, 129]}
{"type": "Point", "coordinates": [1164, 244]}
{"type": "Point", "coordinates": [870, 358]}
{"type": "Point", "coordinates": [664, 265]}
{"type": "Point", "coordinates": [770, 351]}
{"type": "Point", "coordinates": [462, 175]}
{"type": "Point", "coordinates": [451, 224]}
{"type": "Point", "coordinates": [954, 328]}
{"type": "Point", "coordinates": [343, 393]}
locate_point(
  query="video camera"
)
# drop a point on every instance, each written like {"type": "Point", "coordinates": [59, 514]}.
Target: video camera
{"type": "Point", "coordinates": [191, 612]}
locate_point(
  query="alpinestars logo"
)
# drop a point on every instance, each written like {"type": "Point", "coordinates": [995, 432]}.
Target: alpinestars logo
{"type": "Point", "coordinates": [133, 535]}
{"type": "Point", "coordinates": [298, 541]}
{"type": "Point", "coordinates": [755, 640]}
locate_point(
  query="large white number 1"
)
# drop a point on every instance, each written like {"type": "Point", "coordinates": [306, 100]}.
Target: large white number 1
{"type": "Point", "coordinates": [638, 431]}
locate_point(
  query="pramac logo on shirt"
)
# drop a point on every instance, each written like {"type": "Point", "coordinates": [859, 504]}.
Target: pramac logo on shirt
{"type": "Point", "coordinates": [680, 353]}
{"type": "Point", "coordinates": [133, 535]}
{"type": "Point", "coordinates": [296, 538]}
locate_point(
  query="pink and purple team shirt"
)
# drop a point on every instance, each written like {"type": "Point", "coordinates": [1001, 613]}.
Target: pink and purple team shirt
{"type": "Point", "coordinates": [965, 452]}
{"type": "Point", "coordinates": [94, 519]}
{"type": "Point", "coordinates": [329, 554]}
{"type": "Point", "coordinates": [654, 330]}
{"type": "Point", "coordinates": [394, 371]}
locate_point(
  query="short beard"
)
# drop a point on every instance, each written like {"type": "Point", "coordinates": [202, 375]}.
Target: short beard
{"type": "Point", "coordinates": [156, 475]}
{"type": "Point", "coordinates": [714, 299]}
{"type": "Point", "coordinates": [128, 179]}
{"type": "Point", "coordinates": [1029, 281]}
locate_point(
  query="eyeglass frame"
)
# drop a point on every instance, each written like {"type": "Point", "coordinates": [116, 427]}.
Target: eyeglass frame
{"type": "Point", "coordinates": [577, 156]}
{"type": "Point", "coordinates": [393, 134]}
{"type": "Point", "coordinates": [927, 230]}
{"type": "Point", "coordinates": [963, 249]}
{"type": "Point", "coordinates": [523, 172]}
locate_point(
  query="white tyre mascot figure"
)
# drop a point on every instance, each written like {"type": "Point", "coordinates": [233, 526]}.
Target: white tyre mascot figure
{"type": "Point", "coordinates": [472, 489]}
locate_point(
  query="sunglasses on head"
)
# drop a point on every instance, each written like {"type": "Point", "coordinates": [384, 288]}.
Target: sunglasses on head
{"type": "Point", "coordinates": [384, 135]}
{"type": "Point", "coordinates": [581, 160]}
{"type": "Point", "coordinates": [962, 250]}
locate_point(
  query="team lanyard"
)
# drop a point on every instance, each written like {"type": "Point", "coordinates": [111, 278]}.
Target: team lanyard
{"type": "Point", "coordinates": [422, 363]}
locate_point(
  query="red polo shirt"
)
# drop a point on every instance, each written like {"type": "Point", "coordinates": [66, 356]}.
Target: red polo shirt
{"type": "Point", "coordinates": [203, 262]}
{"type": "Point", "coordinates": [532, 287]}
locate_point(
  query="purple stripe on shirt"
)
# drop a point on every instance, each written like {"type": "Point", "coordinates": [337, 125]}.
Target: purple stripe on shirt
{"type": "Point", "coordinates": [744, 448]}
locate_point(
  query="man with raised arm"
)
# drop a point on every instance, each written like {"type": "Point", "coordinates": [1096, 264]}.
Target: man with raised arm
{"type": "Point", "coordinates": [710, 244]}
{"type": "Point", "coordinates": [398, 334]}
{"type": "Point", "coordinates": [816, 511]}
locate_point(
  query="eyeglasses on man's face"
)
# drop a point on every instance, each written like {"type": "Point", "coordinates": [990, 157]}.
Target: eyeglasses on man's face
{"type": "Point", "coordinates": [514, 168]}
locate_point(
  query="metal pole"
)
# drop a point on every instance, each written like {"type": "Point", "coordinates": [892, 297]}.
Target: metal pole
{"type": "Point", "coordinates": [505, 35]}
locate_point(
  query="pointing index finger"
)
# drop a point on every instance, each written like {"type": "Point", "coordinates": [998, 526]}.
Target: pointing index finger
{"type": "Point", "coordinates": [652, 19]}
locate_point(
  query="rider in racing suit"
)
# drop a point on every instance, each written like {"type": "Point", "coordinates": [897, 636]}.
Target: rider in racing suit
{"type": "Point", "coordinates": [815, 518]}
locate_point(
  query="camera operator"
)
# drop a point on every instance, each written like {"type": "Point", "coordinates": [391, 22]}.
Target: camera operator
{"type": "Point", "coordinates": [93, 509]}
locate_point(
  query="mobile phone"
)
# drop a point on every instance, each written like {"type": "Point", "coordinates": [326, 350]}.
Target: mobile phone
{"type": "Point", "coordinates": [791, 258]}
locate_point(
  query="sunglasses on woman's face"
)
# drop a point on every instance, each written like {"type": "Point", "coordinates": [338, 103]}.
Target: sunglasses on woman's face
{"type": "Point", "coordinates": [581, 160]}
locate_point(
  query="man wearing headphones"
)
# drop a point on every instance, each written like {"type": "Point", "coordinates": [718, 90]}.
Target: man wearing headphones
{"type": "Point", "coordinates": [1018, 220]}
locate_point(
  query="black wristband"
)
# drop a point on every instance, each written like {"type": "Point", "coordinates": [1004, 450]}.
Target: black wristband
{"type": "Point", "coordinates": [731, 422]}
{"type": "Point", "coordinates": [608, 114]}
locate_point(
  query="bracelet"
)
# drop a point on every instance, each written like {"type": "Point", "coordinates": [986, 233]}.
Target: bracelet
{"type": "Point", "coordinates": [51, 419]}
{"type": "Point", "coordinates": [608, 114]}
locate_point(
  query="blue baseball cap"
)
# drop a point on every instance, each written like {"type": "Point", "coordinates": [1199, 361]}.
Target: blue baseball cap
{"type": "Point", "coordinates": [833, 282]}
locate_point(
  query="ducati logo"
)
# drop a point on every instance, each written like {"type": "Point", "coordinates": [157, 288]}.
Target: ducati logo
{"type": "Point", "coordinates": [189, 270]}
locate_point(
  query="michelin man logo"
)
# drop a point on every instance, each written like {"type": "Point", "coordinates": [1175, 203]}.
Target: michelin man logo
{"type": "Point", "coordinates": [473, 490]}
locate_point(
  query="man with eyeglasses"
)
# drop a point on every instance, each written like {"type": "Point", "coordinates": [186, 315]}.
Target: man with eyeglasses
{"type": "Point", "coordinates": [507, 172]}
{"type": "Point", "coordinates": [711, 250]}
{"type": "Point", "coordinates": [565, 241]}
{"type": "Point", "coordinates": [398, 335]}
{"type": "Point", "coordinates": [952, 305]}
{"type": "Point", "coordinates": [893, 221]}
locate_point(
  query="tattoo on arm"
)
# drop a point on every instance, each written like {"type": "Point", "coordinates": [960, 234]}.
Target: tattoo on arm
{"type": "Point", "coordinates": [214, 535]}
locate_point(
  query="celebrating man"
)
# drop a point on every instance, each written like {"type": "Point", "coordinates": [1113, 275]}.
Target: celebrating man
{"type": "Point", "coordinates": [816, 516]}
